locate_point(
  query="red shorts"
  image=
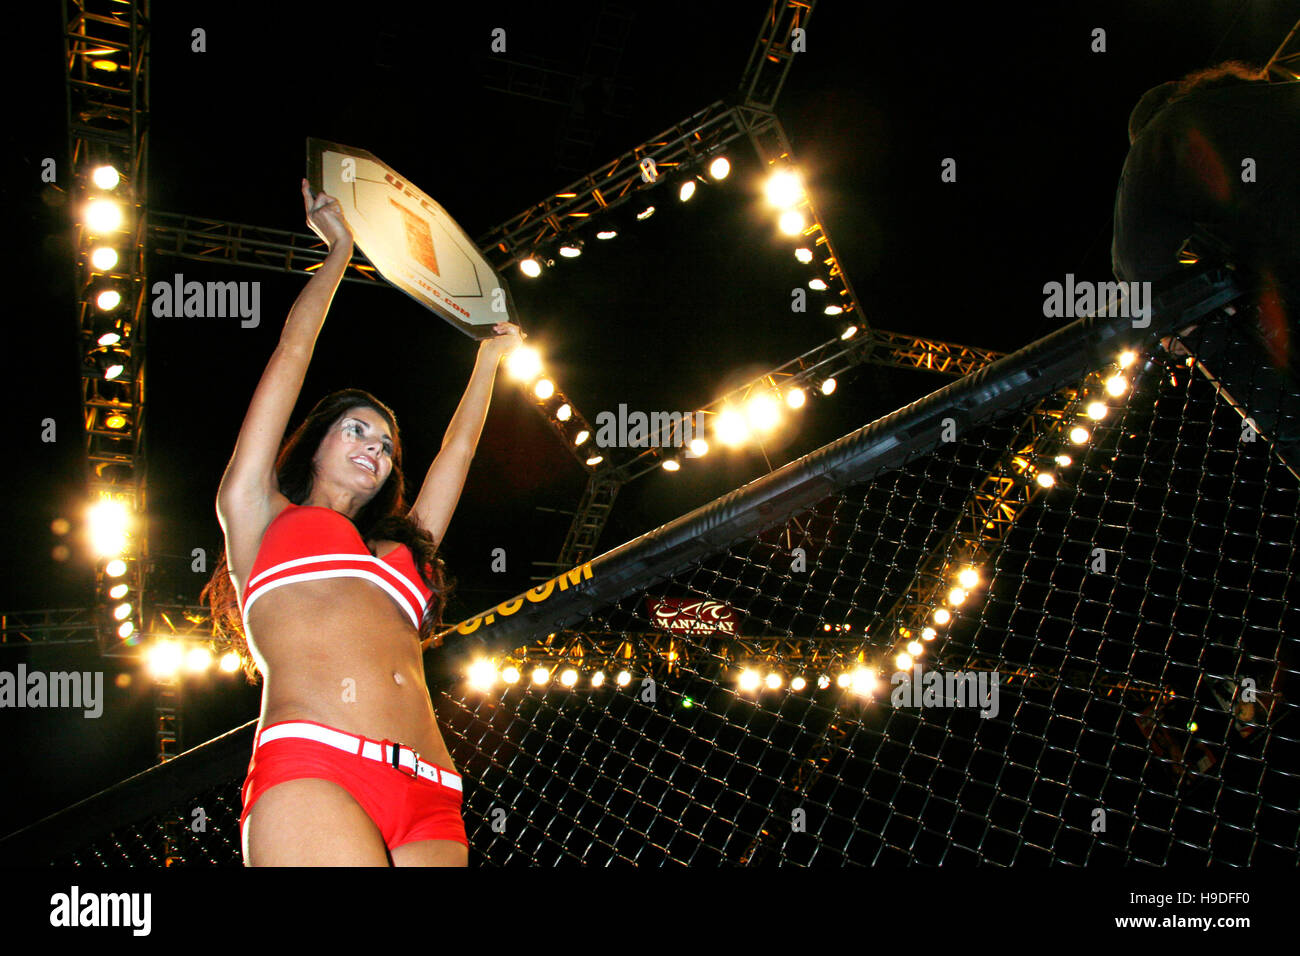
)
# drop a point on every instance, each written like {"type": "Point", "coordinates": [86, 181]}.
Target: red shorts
{"type": "Point", "coordinates": [404, 806]}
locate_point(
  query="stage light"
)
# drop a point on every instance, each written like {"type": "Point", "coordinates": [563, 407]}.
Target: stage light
{"type": "Point", "coordinates": [1046, 479]}
{"type": "Point", "coordinates": [730, 427]}
{"type": "Point", "coordinates": [623, 679]}
{"type": "Point", "coordinates": [848, 333]}
{"type": "Point", "coordinates": [530, 267]}
{"type": "Point", "coordinates": [672, 464]}
{"type": "Point", "coordinates": [595, 460]}
{"type": "Point", "coordinates": [164, 659]}
{"type": "Point", "coordinates": [606, 234]}
{"type": "Point", "coordinates": [108, 66]}
{"type": "Point", "coordinates": [1079, 435]}
{"type": "Point", "coordinates": [833, 310]}
{"type": "Point", "coordinates": [783, 189]}
{"type": "Point", "coordinates": [915, 648]}
{"type": "Point", "coordinates": [482, 674]}
{"type": "Point", "coordinates": [105, 177]}
{"type": "Point", "coordinates": [115, 568]}
{"type": "Point", "coordinates": [844, 680]}
{"type": "Point", "coordinates": [749, 679]}
{"type": "Point", "coordinates": [968, 578]}
{"type": "Point", "coordinates": [126, 630]}
{"type": "Point", "coordinates": [541, 675]}
{"type": "Point", "coordinates": [763, 412]}
{"type": "Point", "coordinates": [1127, 358]}
{"type": "Point", "coordinates": [598, 679]}
{"type": "Point", "coordinates": [687, 190]}
{"type": "Point", "coordinates": [798, 684]}
{"type": "Point", "coordinates": [113, 371]}
{"type": "Point", "coordinates": [108, 521]}
{"type": "Point", "coordinates": [564, 412]}
{"type": "Point", "coordinates": [1097, 411]}
{"type": "Point", "coordinates": [103, 258]}
{"type": "Point", "coordinates": [229, 662]}
{"type": "Point", "coordinates": [115, 421]}
{"type": "Point", "coordinates": [929, 634]}
{"type": "Point", "coordinates": [524, 363]}
{"type": "Point", "coordinates": [198, 660]}
{"type": "Point", "coordinates": [1116, 385]}
{"type": "Point", "coordinates": [645, 213]}
{"type": "Point", "coordinates": [864, 682]}
{"type": "Point", "coordinates": [117, 591]}
{"type": "Point", "coordinates": [103, 215]}
{"type": "Point", "coordinates": [122, 611]}
{"type": "Point", "coordinates": [699, 446]}
{"type": "Point", "coordinates": [569, 677]}
{"type": "Point", "coordinates": [571, 250]}
{"type": "Point", "coordinates": [581, 437]}
{"type": "Point", "coordinates": [720, 167]}
{"type": "Point", "coordinates": [941, 616]}
{"type": "Point", "coordinates": [826, 627]}
{"type": "Point", "coordinates": [108, 338]}
{"type": "Point", "coordinates": [773, 681]}
{"type": "Point", "coordinates": [108, 299]}
{"type": "Point", "coordinates": [1064, 460]}
{"type": "Point", "coordinates": [510, 675]}
{"type": "Point", "coordinates": [803, 255]}
{"type": "Point", "coordinates": [791, 222]}
{"type": "Point", "coordinates": [544, 388]}
{"type": "Point", "coordinates": [818, 284]}
{"type": "Point", "coordinates": [903, 662]}
{"type": "Point", "coordinates": [828, 386]}
{"type": "Point", "coordinates": [956, 596]}
{"type": "Point", "coordinates": [796, 397]}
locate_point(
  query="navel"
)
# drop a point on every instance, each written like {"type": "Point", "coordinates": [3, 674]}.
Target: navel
{"type": "Point", "coordinates": [397, 678]}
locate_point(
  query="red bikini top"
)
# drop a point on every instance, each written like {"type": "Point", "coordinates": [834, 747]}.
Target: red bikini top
{"type": "Point", "coordinates": [311, 543]}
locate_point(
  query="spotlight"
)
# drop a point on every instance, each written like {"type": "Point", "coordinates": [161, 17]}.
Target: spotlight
{"type": "Point", "coordinates": [1079, 435]}
{"type": "Point", "coordinates": [598, 679]}
{"type": "Point", "coordinates": [832, 310]}
{"type": "Point", "coordinates": [117, 592]}
{"type": "Point", "coordinates": [863, 681]}
{"type": "Point", "coordinates": [108, 521]}
{"type": "Point", "coordinates": [571, 250]}
{"type": "Point", "coordinates": [903, 662]}
{"type": "Point", "coordinates": [773, 680]}
{"type": "Point", "coordinates": [198, 660]}
{"type": "Point", "coordinates": [623, 679]}
{"type": "Point", "coordinates": [783, 189]}
{"type": "Point", "coordinates": [792, 222]}
{"type": "Point", "coordinates": [105, 177]}
{"type": "Point", "coordinates": [1046, 479]}
{"type": "Point", "coordinates": [115, 568]}
{"type": "Point", "coordinates": [524, 363]}
{"type": "Point", "coordinates": [164, 659]}
{"type": "Point", "coordinates": [1097, 411]}
{"type": "Point", "coordinates": [1127, 358]}
{"type": "Point", "coordinates": [968, 578]}
{"type": "Point", "coordinates": [530, 267]}
{"type": "Point", "coordinates": [749, 679]}
{"type": "Point", "coordinates": [108, 299]}
{"type": "Point", "coordinates": [844, 680]}
{"type": "Point", "coordinates": [915, 648]}
{"type": "Point", "coordinates": [645, 213]}
{"type": "Point", "coordinates": [595, 460]}
{"type": "Point", "coordinates": [229, 662]}
{"type": "Point", "coordinates": [564, 412]}
{"type": "Point", "coordinates": [1116, 385]}
{"type": "Point", "coordinates": [581, 437]}
{"type": "Point", "coordinates": [763, 412]}
{"type": "Point", "coordinates": [606, 234]}
{"type": "Point", "coordinates": [510, 675]}
{"type": "Point", "coordinates": [687, 190]}
{"type": "Point", "coordinates": [796, 397]}
{"type": "Point", "coordinates": [798, 684]}
{"type": "Point", "coordinates": [569, 677]}
{"type": "Point", "coordinates": [828, 386]}
{"type": "Point", "coordinates": [730, 427]}
{"type": "Point", "coordinates": [672, 464]}
{"type": "Point", "coordinates": [103, 215]}
{"type": "Point", "coordinates": [699, 446]}
{"type": "Point", "coordinates": [719, 168]}
{"type": "Point", "coordinates": [122, 611]}
{"type": "Point", "coordinates": [482, 674]}
{"type": "Point", "coordinates": [941, 616]}
{"type": "Point", "coordinates": [848, 333]}
{"type": "Point", "coordinates": [103, 258]}
{"type": "Point", "coordinates": [1064, 460]}
{"type": "Point", "coordinates": [115, 421]}
{"type": "Point", "coordinates": [544, 388]}
{"type": "Point", "coordinates": [823, 682]}
{"type": "Point", "coordinates": [929, 634]}
{"type": "Point", "coordinates": [818, 284]}
{"type": "Point", "coordinates": [803, 255]}
{"type": "Point", "coordinates": [126, 630]}
{"type": "Point", "coordinates": [541, 675]}
{"type": "Point", "coordinates": [956, 596]}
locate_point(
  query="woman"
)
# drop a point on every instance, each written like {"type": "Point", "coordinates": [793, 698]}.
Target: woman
{"type": "Point", "coordinates": [336, 582]}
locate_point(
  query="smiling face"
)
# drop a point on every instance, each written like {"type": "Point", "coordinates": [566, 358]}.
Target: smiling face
{"type": "Point", "coordinates": [356, 453]}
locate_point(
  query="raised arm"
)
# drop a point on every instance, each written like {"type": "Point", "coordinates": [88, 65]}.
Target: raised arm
{"type": "Point", "coordinates": [442, 486]}
{"type": "Point", "coordinates": [249, 486]}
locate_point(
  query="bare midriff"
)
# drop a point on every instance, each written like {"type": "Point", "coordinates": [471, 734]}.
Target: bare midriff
{"type": "Point", "coordinates": [341, 652]}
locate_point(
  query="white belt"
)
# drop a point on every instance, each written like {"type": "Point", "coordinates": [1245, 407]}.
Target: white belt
{"type": "Point", "coordinates": [395, 755]}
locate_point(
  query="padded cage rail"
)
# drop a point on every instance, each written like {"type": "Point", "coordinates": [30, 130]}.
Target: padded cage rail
{"type": "Point", "coordinates": [1125, 656]}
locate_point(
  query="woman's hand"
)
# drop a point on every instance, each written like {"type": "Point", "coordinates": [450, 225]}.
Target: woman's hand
{"type": "Point", "coordinates": [508, 338]}
{"type": "Point", "coordinates": [325, 217]}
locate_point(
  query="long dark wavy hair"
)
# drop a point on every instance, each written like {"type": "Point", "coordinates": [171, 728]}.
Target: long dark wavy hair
{"type": "Point", "coordinates": [383, 518]}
